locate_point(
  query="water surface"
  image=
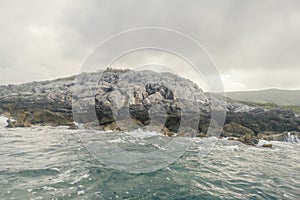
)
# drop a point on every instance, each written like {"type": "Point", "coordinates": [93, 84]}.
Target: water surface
{"type": "Point", "coordinates": [52, 163]}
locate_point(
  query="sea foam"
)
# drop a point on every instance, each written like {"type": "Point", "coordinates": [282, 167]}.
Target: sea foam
{"type": "Point", "coordinates": [3, 121]}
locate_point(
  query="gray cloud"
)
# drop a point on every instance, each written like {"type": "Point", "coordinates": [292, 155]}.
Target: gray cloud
{"type": "Point", "coordinates": [254, 43]}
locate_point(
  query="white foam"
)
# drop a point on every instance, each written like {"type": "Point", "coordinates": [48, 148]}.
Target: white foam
{"type": "Point", "coordinates": [139, 133]}
{"type": "Point", "coordinates": [118, 140]}
{"type": "Point", "coordinates": [81, 192]}
{"type": "Point", "coordinates": [3, 122]}
{"type": "Point", "coordinates": [279, 144]}
{"type": "Point", "coordinates": [232, 147]}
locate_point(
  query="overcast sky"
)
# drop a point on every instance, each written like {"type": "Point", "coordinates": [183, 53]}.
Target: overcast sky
{"type": "Point", "coordinates": [254, 44]}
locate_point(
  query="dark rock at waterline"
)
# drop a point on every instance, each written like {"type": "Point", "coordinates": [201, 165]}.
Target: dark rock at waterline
{"type": "Point", "coordinates": [276, 120]}
{"type": "Point", "coordinates": [38, 117]}
{"type": "Point", "coordinates": [10, 124]}
{"type": "Point", "coordinates": [72, 126]}
{"type": "Point", "coordinates": [248, 139]}
{"type": "Point", "coordinates": [231, 138]}
{"type": "Point", "coordinates": [267, 145]}
{"type": "Point", "coordinates": [233, 129]}
{"type": "Point", "coordinates": [14, 124]}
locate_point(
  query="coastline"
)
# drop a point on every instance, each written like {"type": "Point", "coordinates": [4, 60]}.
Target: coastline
{"type": "Point", "coordinates": [49, 103]}
{"type": "Point", "coordinates": [262, 140]}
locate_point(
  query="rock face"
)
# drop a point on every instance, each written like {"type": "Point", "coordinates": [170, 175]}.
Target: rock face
{"type": "Point", "coordinates": [150, 103]}
{"type": "Point", "coordinates": [124, 100]}
{"type": "Point", "coordinates": [44, 103]}
{"type": "Point", "coordinates": [139, 99]}
{"type": "Point", "coordinates": [266, 121]}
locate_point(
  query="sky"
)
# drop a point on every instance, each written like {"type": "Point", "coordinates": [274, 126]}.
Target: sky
{"type": "Point", "coordinates": [254, 44]}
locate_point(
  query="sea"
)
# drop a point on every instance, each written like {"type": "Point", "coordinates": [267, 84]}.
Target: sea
{"type": "Point", "coordinates": [43, 162]}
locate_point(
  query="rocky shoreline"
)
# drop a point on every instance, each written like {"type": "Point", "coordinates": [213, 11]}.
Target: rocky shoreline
{"type": "Point", "coordinates": [163, 101]}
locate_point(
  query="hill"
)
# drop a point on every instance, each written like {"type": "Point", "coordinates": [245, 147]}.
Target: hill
{"type": "Point", "coordinates": [273, 96]}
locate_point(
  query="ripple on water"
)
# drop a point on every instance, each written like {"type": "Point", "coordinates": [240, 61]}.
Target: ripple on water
{"type": "Point", "coordinates": [47, 163]}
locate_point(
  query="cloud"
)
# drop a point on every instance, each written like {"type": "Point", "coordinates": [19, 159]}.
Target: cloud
{"type": "Point", "coordinates": [232, 82]}
{"type": "Point", "coordinates": [254, 43]}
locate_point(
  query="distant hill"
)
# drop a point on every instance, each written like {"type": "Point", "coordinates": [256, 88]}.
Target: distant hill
{"type": "Point", "coordinates": [274, 96]}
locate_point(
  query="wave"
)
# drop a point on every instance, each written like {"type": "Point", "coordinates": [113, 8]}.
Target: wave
{"type": "Point", "coordinates": [34, 172]}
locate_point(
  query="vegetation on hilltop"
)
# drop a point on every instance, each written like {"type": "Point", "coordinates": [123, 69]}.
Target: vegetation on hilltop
{"type": "Point", "coordinates": [273, 96]}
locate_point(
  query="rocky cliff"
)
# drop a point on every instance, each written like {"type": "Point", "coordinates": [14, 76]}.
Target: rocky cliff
{"type": "Point", "coordinates": [124, 99]}
{"type": "Point", "coordinates": [43, 103]}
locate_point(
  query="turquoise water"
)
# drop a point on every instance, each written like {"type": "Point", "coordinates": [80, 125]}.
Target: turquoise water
{"type": "Point", "coordinates": [52, 163]}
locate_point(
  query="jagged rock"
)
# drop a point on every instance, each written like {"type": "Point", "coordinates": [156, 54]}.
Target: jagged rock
{"type": "Point", "coordinates": [236, 130]}
{"type": "Point", "coordinates": [113, 126]}
{"type": "Point", "coordinates": [276, 120]}
{"type": "Point", "coordinates": [10, 124]}
{"type": "Point", "coordinates": [14, 124]}
{"type": "Point", "coordinates": [248, 139]}
{"type": "Point", "coordinates": [167, 132]}
{"type": "Point", "coordinates": [46, 117]}
{"type": "Point", "coordinates": [146, 102]}
{"type": "Point", "coordinates": [230, 138]}
{"type": "Point", "coordinates": [267, 145]}
{"type": "Point", "coordinates": [73, 126]}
